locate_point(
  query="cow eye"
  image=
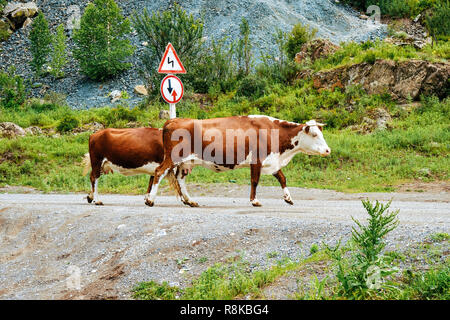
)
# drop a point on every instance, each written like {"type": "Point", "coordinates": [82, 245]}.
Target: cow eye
{"type": "Point", "coordinates": [314, 135]}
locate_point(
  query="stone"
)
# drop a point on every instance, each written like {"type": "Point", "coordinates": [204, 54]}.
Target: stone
{"type": "Point", "coordinates": [89, 127]}
{"type": "Point", "coordinates": [364, 17]}
{"type": "Point", "coordinates": [141, 90]}
{"type": "Point", "coordinates": [18, 12]}
{"type": "Point", "coordinates": [115, 95]}
{"type": "Point", "coordinates": [316, 49]}
{"type": "Point", "coordinates": [34, 131]}
{"type": "Point", "coordinates": [403, 80]}
{"type": "Point", "coordinates": [164, 114]}
{"type": "Point", "coordinates": [11, 130]}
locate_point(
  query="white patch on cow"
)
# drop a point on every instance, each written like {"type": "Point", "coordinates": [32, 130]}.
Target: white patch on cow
{"type": "Point", "coordinates": [286, 194]}
{"type": "Point", "coordinates": [259, 116]}
{"type": "Point", "coordinates": [96, 199]}
{"type": "Point", "coordinates": [151, 197]}
{"type": "Point", "coordinates": [148, 168]}
{"type": "Point", "coordinates": [256, 203]}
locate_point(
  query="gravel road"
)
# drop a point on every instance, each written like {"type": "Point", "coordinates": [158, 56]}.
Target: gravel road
{"type": "Point", "coordinates": [46, 240]}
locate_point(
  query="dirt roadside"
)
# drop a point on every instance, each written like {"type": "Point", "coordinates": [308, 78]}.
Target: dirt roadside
{"type": "Point", "coordinates": [48, 239]}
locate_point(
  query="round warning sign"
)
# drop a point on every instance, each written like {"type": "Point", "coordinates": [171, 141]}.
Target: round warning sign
{"type": "Point", "coordinates": [172, 89]}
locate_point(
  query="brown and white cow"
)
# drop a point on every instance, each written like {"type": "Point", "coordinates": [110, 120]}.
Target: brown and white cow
{"type": "Point", "coordinates": [126, 151]}
{"type": "Point", "coordinates": [263, 143]}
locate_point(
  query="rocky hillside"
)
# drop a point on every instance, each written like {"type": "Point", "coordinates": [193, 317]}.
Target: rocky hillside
{"type": "Point", "coordinates": [222, 18]}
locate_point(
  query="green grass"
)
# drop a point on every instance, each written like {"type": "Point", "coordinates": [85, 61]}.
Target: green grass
{"type": "Point", "coordinates": [416, 148]}
{"type": "Point", "coordinates": [223, 281]}
{"type": "Point", "coordinates": [352, 53]}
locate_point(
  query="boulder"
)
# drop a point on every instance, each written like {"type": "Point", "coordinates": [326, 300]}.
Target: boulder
{"type": "Point", "coordinates": [141, 90]}
{"type": "Point", "coordinates": [402, 80]}
{"type": "Point", "coordinates": [115, 95]}
{"type": "Point", "coordinates": [89, 127]}
{"type": "Point", "coordinates": [316, 49]}
{"type": "Point", "coordinates": [34, 131]}
{"type": "Point", "coordinates": [11, 130]}
{"type": "Point", "coordinates": [18, 12]}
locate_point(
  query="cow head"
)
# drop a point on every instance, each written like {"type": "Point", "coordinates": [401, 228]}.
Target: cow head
{"type": "Point", "coordinates": [310, 140]}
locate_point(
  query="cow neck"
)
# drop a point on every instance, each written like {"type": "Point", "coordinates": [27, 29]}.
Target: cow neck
{"type": "Point", "coordinates": [291, 131]}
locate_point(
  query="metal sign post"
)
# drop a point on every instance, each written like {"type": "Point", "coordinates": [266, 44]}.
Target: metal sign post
{"type": "Point", "coordinates": [171, 86]}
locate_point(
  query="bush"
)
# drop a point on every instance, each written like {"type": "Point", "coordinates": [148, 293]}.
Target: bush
{"type": "Point", "coordinates": [297, 38]}
{"type": "Point", "coordinates": [12, 89]}
{"type": "Point", "coordinates": [438, 22]}
{"type": "Point", "coordinates": [244, 47]}
{"type": "Point", "coordinates": [67, 123]}
{"type": "Point", "coordinates": [252, 86]}
{"type": "Point", "coordinates": [101, 46]}
{"type": "Point", "coordinates": [121, 114]}
{"type": "Point", "coordinates": [366, 267]}
{"type": "Point", "coordinates": [41, 39]}
{"type": "Point", "coordinates": [58, 55]}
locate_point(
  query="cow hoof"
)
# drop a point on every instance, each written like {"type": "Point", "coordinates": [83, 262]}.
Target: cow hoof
{"type": "Point", "coordinates": [98, 203]}
{"type": "Point", "coordinates": [289, 201]}
{"type": "Point", "coordinates": [149, 203]}
{"type": "Point", "coordinates": [89, 199]}
{"type": "Point", "coordinates": [191, 204]}
{"type": "Point", "coordinates": [256, 203]}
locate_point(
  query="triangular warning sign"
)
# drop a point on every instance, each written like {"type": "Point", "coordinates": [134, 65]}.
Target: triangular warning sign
{"type": "Point", "coordinates": [170, 62]}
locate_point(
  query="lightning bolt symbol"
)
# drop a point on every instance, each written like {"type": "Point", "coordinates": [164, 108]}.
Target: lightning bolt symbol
{"type": "Point", "coordinates": [170, 61]}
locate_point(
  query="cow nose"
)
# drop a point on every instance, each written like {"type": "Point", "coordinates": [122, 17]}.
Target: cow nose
{"type": "Point", "coordinates": [327, 151]}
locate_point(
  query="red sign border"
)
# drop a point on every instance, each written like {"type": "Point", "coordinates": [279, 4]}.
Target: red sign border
{"type": "Point", "coordinates": [170, 46]}
{"type": "Point", "coordinates": [162, 92]}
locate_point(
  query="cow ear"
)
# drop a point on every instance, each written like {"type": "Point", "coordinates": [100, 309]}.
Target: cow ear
{"type": "Point", "coordinates": [307, 129]}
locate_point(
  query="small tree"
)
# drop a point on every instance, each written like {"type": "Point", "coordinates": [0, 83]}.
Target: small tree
{"type": "Point", "coordinates": [244, 48]}
{"type": "Point", "coordinates": [58, 56]}
{"type": "Point", "coordinates": [101, 46]}
{"type": "Point", "coordinates": [438, 23]}
{"type": "Point", "coordinates": [41, 39]}
{"type": "Point", "coordinates": [297, 38]}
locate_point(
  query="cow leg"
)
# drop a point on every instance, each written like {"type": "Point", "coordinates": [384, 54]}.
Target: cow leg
{"type": "Point", "coordinates": [160, 173]}
{"type": "Point", "coordinates": [95, 175]}
{"type": "Point", "coordinates": [94, 193]}
{"type": "Point", "coordinates": [282, 180]}
{"type": "Point", "coordinates": [149, 189]}
{"type": "Point", "coordinates": [255, 172]}
{"type": "Point", "coordinates": [181, 178]}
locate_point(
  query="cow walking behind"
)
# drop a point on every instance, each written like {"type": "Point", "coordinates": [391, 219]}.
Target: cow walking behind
{"type": "Point", "coordinates": [126, 151]}
{"type": "Point", "coordinates": [262, 143]}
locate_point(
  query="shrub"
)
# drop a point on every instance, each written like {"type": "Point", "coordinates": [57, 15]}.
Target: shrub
{"type": "Point", "coordinates": [244, 47]}
{"type": "Point", "coordinates": [41, 39]}
{"type": "Point", "coordinates": [276, 67]}
{"type": "Point", "coordinates": [67, 123]}
{"type": "Point", "coordinates": [438, 22]}
{"type": "Point", "coordinates": [366, 266]}
{"type": "Point", "coordinates": [119, 114]}
{"type": "Point", "coordinates": [215, 71]}
{"type": "Point", "coordinates": [12, 89]}
{"type": "Point", "coordinates": [252, 86]}
{"type": "Point", "coordinates": [297, 38]}
{"type": "Point", "coordinates": [101, 46]}
{"type": "Point", "coordinates": [58, 55]}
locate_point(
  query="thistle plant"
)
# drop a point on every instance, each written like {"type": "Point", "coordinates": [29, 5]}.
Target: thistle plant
{"type": "Point", "coordinates": [366, 267]}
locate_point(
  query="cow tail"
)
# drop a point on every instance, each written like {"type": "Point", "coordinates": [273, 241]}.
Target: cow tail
{"type": "Point", "coordinates": [86, 163]}
{"type": "Point", "coordinates": [173, 183]}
